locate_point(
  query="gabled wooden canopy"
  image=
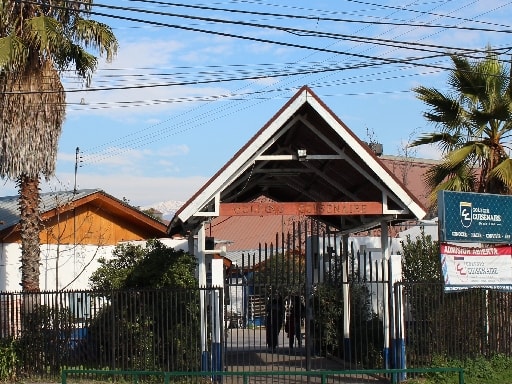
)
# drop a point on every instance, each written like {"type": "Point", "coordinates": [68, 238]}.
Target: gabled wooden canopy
{"type": "Point", "coordinates": [305, 154]}
{"type": "Point", "coordinates": [91, 211]}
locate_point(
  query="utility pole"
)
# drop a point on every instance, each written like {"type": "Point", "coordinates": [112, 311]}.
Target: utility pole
{"type": "Point", "coordinates": [74, 212]}
{"type": "Point", "coordinates": [76, 168]}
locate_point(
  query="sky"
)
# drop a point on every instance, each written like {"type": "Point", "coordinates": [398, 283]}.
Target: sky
{"type": "Point", "coordinates": [193, 81]}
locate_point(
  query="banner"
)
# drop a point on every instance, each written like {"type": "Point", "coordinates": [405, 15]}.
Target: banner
{"type": "Point", "coordinates": [468, 267]}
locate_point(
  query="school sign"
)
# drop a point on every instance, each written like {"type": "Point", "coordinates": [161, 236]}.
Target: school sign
{"type": "Point", "coordinates": [466, 217]}
{"type": "Point", "coordinates": [475, 217]}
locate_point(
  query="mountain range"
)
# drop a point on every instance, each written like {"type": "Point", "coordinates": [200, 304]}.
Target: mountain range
{"type": "Point", "coordinates": [168, 208]}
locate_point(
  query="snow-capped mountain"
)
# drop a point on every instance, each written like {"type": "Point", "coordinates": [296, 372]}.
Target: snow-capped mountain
{"type": "Point", "coordinates": [168, 208]}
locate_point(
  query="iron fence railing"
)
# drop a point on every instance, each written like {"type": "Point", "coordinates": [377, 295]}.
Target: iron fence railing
{"type": "Point", "coordinates": [146, 329]}
{"type": "Point", "coordinates": [159, 330]}
{"type": "Point", "coordinates": [320, 377]}
{"type": "Point", "coordinates": [457, 324]}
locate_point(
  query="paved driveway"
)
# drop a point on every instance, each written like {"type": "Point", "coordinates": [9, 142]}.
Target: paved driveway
{"type": "Point", "coordinates": [246, 351]}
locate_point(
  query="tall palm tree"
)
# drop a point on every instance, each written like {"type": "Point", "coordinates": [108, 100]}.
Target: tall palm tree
{"type": "Point", "coordinates": [474, 123]}
{"type": "Point", "coordinates": [39, 39]}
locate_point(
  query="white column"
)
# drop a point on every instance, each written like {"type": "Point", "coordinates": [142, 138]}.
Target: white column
{"type": "Point", "coordinates": [346, 299]}
{"type": "Point", "coordinates": [388, 294]}
{"type": "Point", "coordinates": [201, 259]}
{"type": "Point", "coordinates": [217, 306]}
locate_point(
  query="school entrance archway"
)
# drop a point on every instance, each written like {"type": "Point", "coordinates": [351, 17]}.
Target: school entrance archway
{"type": "Point", "coordinates": [304, 163]}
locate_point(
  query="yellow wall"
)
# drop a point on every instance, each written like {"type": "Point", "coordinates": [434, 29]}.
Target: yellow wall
{"type": "Point", "coordinates": [89, 224]}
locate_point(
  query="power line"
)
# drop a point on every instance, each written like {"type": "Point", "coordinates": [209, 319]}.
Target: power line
{"type": "Point", "coordinates": [324, 18]}
{"type": "Point", "coordinates": [381, 42]}
{"type": "Point", "coordinates": [292, 73]}
{"type": "Point", "coordinates": [411, 61]}
{"type": "Point", "coordinates": [184, 124]}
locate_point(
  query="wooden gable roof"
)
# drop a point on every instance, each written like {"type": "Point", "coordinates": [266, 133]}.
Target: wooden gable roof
{"type": "Point", "coordinates": [88, 216]}
{"type": "Point", "coordinates": [305, 153]}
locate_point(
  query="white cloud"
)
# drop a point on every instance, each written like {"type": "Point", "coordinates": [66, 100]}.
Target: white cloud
{"type": "Point", "coordinates": [428, 152]}
{"type": "Point", "coordinates": [144, 53]}
{"type": "Point", "coordinates": [174, 150]}
{"type": "Point", "coordinates": [138, 81]}
{"type": "Point", "coordinates": [143, 190]}
{"type": "Point", "coordinates": [130, 158]}
{"type": "Point", "coordinates": [114, 157]}
{"type": "Point", "coordinates": [138, 190]}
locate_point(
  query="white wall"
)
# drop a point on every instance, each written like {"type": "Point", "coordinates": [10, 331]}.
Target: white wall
{"type": "Point", "coordinates": [75, 264]}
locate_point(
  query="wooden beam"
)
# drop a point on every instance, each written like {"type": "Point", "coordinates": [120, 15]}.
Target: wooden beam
{"type": "Point", "coordinates": [336, 208]}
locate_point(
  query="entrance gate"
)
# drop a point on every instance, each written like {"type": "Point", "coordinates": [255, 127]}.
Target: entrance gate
{"type": "Point", "coordinates": [327, 304]}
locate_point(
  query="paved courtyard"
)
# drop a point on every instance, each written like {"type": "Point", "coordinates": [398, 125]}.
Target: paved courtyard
{"type": "Point", "coordinates": [246, 351]}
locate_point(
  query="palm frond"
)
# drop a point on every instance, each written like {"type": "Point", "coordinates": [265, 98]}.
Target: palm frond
{"type": "Point", "coordinates": [461, 182]}
{"type": "Point", "coordinates": [449, 176]}
{"type": "Point", "coordinates": [463, 80]}
{"type": "Point", "coordinates": [477, 112]}
{"type": "Point", "coordinates": [461, 155]}
{"type": "Point", "coordinates": [13, 53]}
{"type": "Point", "coordinates": [501, 110]}
{"type": "Point", "coordinates": [444, 110]}
{"type": "Point", "coordinates": [96, 35]}
{"type": "Point", "coordinates": [44, 34]}
{"type": "Point", "coordinates": [503, 172]}
{"type": "Point", "coordinates": [495, 76]}
{"type": "Point", "coordinates": [444, 140]}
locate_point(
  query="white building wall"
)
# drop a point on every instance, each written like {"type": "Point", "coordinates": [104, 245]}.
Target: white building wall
{"type": "Point", "coordinates": [10, 275]}
{"type": "Point", "coordinates": [75, 264]}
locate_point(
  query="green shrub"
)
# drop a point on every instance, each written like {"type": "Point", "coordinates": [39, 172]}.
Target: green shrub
{"type": "Point", "coordinates": [8, 360]}
{"type": "Point", "coordinates": [496, 369]}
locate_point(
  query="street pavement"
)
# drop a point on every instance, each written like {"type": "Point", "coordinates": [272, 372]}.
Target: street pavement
{"type": "Point", "coordinates": [246, 351]}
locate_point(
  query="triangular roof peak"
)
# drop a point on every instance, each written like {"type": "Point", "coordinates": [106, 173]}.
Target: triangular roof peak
{"type": "Point", "coordinates": [304, 153]}
{"type": "Point", "coordinates": [57, 202]}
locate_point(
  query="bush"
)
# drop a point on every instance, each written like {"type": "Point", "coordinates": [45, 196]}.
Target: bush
{"type": "Point", "coordinates": [146, 330]}
{"type": "Point", "coordinates": [8, 360]}
{"type": "Point", "coordinates": [366, 329]}
{"type": "Point", "coordinates": [45, 340]}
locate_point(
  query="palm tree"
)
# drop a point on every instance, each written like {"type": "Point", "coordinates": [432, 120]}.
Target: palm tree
{"type": "Point", "coordinates": [39, 40]}
{"type": "Point", "coordinates": [474, 122]}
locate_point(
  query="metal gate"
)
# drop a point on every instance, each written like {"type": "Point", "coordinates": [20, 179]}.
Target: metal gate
{"type": "Point", "coordinates": [303, 302]}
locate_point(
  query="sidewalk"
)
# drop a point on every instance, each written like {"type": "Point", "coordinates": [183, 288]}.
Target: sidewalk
{"type": "Point", "coordinates": [246, 352]}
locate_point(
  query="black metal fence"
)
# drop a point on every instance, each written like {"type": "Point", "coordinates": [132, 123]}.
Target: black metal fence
{"type": "Point", "coordinates": [342, 295]}
{"type": "Point", "coordinates": [459, 324]}
{"type": "Point", "coordinates": [159, 330]}
{"type": "Point", "coordinates": [144, 330]}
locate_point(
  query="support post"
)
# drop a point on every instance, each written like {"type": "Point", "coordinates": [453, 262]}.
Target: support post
{"type": "Point", "coordinates": [387, 296]}
{"type": "Point", "coordinates": [201, 259]}
{"type": "Point", "coordinates": [217, 307]}
{"type": "Point", "coordinates": [400, 326]}
{"type": "Point", "coordinates": [347, 349]}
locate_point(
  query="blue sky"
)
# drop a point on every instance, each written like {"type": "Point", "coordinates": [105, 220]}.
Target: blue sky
{"type": "Point", "coordinates": [191, 84]}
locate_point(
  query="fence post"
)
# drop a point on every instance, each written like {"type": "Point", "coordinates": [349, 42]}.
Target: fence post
{"type": "Point", "coordinates": [400, 351]}
{"type": "Point", "coordinates": [346, 301]}
{"type": "Point", "coordinates": [387, 313]}
{"type": "Point", "coordinates": [205, 356]}
{"type": "Point", "coordinates": [216, 307]}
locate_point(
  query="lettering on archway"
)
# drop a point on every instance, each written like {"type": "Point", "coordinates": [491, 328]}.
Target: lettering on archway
{"type": "Point", "coordinates": [336, 208]}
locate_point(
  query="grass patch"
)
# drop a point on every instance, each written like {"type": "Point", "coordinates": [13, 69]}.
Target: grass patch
{"type": "Point", "coordinates": [480, 370]}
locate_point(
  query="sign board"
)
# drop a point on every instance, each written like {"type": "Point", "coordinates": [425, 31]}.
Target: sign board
{"type": "Point", "coordinates": [474, 217]}
{"type": "Point", "coordinates": [334, 208]}
{"type": "Point", "coordinates": [468, 267]}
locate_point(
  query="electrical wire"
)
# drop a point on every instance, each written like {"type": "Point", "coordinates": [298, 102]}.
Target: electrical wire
{"type": "Point", "coordinates": [291, 73]}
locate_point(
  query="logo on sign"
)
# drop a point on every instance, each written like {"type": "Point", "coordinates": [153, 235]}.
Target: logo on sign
{"type": "Point", "coordinates": [465, 214]}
